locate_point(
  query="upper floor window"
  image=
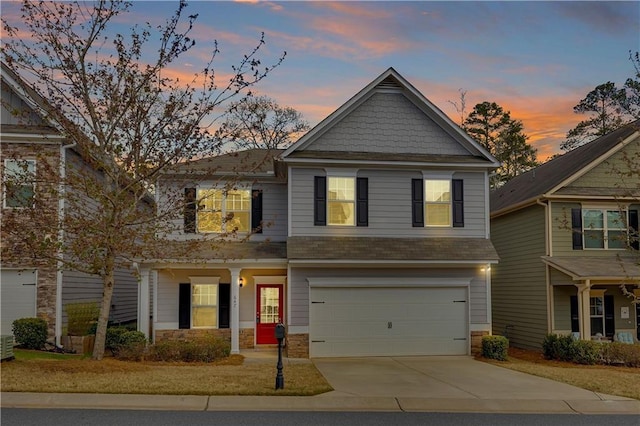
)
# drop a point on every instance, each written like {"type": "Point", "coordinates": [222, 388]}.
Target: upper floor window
{"type": "Point", "coordinates": [19, 183]}
{"type": "Point", "coordinates": [604, 229]}
{"type": "Point", "coordinates": [341, 200]}
{"type": "Point", "coordinates": [224, 211]}
{"type": "Point", "coordinates": [437, 205]}
{"type": "Point", "coordinates": [437, 202]}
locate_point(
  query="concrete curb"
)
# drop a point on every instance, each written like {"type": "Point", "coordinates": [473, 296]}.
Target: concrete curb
{"type": "Point", "coordinates": [313, 403]}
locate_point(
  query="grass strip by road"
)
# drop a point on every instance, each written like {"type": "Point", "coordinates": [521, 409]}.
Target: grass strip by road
{"type": "Point", "coordinates": [230, 376]}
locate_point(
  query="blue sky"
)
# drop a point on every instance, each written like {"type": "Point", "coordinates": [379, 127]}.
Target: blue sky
{"type": "Point", "coordinates": [536, 59]}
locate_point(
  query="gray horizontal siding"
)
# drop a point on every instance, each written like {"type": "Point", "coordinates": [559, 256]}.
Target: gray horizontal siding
{"type": "Point", "coordinates": [389, 206]}
{"type": "Point", "coordinates": [518, 282]}
{"type": "Point", "coordinates": [80, 287]}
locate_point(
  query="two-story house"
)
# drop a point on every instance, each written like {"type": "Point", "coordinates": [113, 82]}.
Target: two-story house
{"type": "Point", "coordinates": [566, 234]}
{"type": "Point", "coordinates": [32, 144]}
{"type": "Point", "coordinates": [369, 236]}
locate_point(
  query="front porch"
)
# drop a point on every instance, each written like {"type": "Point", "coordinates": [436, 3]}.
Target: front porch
{"type": "Point", "coordinates": [594, 298]}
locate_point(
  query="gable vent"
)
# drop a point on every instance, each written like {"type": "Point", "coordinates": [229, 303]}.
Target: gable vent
{"type": "Point", "coordinates": [389, 83]}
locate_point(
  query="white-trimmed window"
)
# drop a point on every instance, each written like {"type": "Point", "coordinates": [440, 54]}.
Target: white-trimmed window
{"type": "Point", "coordinates": [19, 183]}
{"type": "Point", "coordinates": [437, 205]}
{"type": "Point", "coordinates": [341, 200]}
{"type": "Point", "coordinates": [596, 312]}
{"type": "Point", "coordinates": [224, 211]}
{"type": "Point", "coordinates": [204, 305]}
{"type": "Point", "coordinates": [604, 228]}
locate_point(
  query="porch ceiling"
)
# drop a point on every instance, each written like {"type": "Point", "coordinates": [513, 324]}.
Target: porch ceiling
{"type": "Point", "coordinates": [614, 268]}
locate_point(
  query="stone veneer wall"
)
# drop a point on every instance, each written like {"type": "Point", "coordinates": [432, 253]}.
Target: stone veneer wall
{"type": "Point", "coordinates": [297, 345]}
{"type": "Point", "coordinates": [186, 334]}
{"type": "Point", "coordinates": [476, 341]}
{"type": "Point", "coordinates": [246, 338]}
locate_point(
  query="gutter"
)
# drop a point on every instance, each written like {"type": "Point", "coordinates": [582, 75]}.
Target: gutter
{"type": "Point", "coordinates": [61, 207]}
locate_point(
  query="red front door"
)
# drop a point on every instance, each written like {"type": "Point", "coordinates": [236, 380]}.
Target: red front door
{"type": "Point", "coordinates": [269, 312]}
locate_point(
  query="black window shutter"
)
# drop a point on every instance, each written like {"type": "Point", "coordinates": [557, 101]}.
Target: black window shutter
{"type": "Point", "coordinates": [458, 202]}
{"type": "Point", "coordinates": [184, 306]}
{"type": "Point", "coordinates": [320, 201]}
{"type": "Point", "coordinates": [635, 236]}
{"type": "Point", "coordinates": [362, 202]}
{"type": "Point", "coordinates": [576, 228]}
{"type": "Point", "coordinates": [256, 211]}
{"type": "Point", "coordinates": [224, 308]}
{"type": "Point", "coordinates": [190, 208]}
{"type": "Point", "coordinates": [417, 202]}
{"type": "Point", "coordinates": [575, 320]}
{"type": "Point", "coordinates": [609, 316]}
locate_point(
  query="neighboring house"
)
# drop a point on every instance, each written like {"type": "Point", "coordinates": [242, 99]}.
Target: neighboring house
{"type": "Point", "coordinates": [369, 236]}
{"type": "Point", "coordinates": [561, 231]}
{"type": "Point", "coordinates": [30, 286]}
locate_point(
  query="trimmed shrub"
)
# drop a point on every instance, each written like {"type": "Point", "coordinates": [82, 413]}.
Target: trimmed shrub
{"type": "Point", "coordinates": [81, 318]}
{"type": "Point", "coordinates": [585, 352]}
{"type": "Point", "coordinates": [125, 343]}
{"type": "Point", "coordinates": [561, 348]}
{"type": "Point", "coordinates": [616, 353]}
{"type": "Point", "coordinates": [495, 347]}
{"type": "Point", "coordinates": [200, 349]}
{"type": "Point", "coordinates": [31, 333]}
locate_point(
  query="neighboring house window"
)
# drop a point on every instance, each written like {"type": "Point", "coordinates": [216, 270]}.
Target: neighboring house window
{"type": "Point", "coordinates": [601, 313]}
{"type": "Point", "coordinates": [437, 202]}
{"type": "Point", "coordinates": [19, 183]}
{"type": "Point", "coordinates": [596, 310]}
{"type": "Point", "coordinates": [604, 229]}
{"type": "Point", "coordinates": [224, 211]}
{"type": "Point", "coordinates": [204, 305]}
{"type": "Point", "coordinates": [341, 201]}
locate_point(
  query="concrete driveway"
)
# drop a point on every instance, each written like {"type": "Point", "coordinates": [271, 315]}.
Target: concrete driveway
{"type": "Point", "coordinates": [450, 377]}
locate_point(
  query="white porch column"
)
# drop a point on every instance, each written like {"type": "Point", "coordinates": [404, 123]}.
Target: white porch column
{"type": "Point", "coordinates": [584, 310]}
{"type": "Point", "coordinates": [235, 310]}
{"type": "Point", "coordinates": [143, 301]}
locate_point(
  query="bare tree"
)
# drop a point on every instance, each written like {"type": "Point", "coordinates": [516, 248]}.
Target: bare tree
{"type": "Point", "coordinates": [259, 122]}
{"type": "Point", "coordinates": [128, 119]}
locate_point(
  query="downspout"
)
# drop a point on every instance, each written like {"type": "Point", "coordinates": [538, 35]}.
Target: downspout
{"type": "Point", "coordinates": [60, 265]}
{"type": "Point", "coordinates": [548, 249]}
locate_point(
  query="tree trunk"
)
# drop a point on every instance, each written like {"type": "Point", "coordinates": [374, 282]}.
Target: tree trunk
{"type": "Point", "coordinates": [105, 308]}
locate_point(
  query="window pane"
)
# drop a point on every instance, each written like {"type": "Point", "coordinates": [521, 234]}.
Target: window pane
{"type": "Point", "coordinates": [210, 199]}
{"type": "Point", "coordinates": [204, 305]}
{"type": "Point", "coordinates": [19, 182]}
{"type": "Point", "coordinates": [341, 189]}
{"type": "Point", "coordinates": [615, 220]}
{"type": "Point", "coordinates": [593, 219]}
{"type": "Point", "coordinates": [341, 213]}
{"type": "Point", "coordinates": [617, 239]}
{"type": "Point", "coordinates": [237, 221]}
{"type": "Point", "coordinates": [238, 200]}
{"type": "Point", "coordinates": [209, 221]}
{"type": "Point", "coordinates": [438, 214]}
{"type": "Point", "coordinates": [438, 191]}
{"type": "Point", "coordinates": [593, 239]}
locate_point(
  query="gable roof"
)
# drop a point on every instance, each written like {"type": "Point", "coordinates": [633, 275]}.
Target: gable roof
{"type": "Point", "coordinates": [551, 176]}
{"type": "Point", "coordinates": [392, 81]}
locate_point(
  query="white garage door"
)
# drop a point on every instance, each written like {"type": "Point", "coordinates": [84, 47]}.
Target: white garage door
{"type": "Point", "coordinates": [17, 295]}
{"type": "Point", "coordinates": [385, 321]}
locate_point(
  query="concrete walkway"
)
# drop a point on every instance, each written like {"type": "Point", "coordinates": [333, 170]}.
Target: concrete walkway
{"type": "Point", "coordinates": [436, 384]}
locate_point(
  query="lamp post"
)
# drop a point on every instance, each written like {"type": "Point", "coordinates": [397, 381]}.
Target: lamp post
{"type": "Point", "coordinates": [280, 336]}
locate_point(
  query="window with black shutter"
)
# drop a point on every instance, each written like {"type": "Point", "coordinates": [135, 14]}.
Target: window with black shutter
{"type": "Point", "coordinates": [190, 210]}
{"type": "Point", "coordinates": [320, 201]}
{"type": "Point", "coordinates": [256, 211]}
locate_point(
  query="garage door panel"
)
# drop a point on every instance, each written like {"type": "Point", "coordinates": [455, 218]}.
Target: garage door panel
{"type": "Point", "coordinates": [388, 321]}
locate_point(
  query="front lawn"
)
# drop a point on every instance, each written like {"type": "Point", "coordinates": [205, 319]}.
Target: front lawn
{"type": "Point", "coordinates": [228, 376]}
{"type": "Point", "coordinates": [621, 381]}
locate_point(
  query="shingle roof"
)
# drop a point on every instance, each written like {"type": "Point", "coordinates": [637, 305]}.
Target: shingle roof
{"type": "Point", "coordinates": [187, 252]}
{"type": "Point", "coordinates": [249, 161]}
{"type": "Point", "coordinates": [540, 180]}
{"type": "Point", "coordinates": [393, 249]}
{"type": "Point", "coordinates": [587, 267]}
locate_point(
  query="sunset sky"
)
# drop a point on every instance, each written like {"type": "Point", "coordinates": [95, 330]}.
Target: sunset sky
{"type": "Point", "coordinates": [535, 59]}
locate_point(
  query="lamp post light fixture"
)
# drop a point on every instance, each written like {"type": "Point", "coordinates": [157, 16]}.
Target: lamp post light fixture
{"type": "Point", "coordinates": [240, 282]}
